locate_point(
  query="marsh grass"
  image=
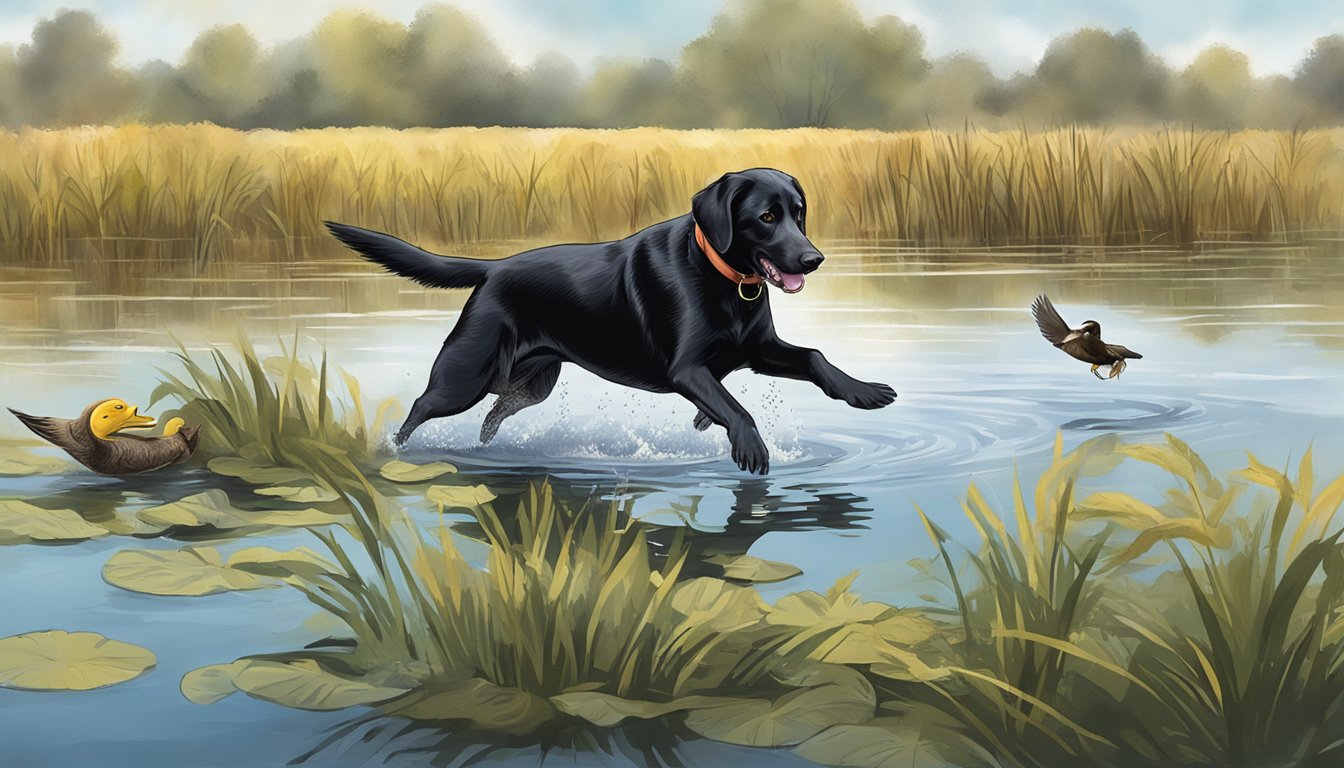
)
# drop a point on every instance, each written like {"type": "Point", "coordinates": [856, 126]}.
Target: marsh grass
{"type": "Point", "coordinates": [258, 409]}
{"type": "Point", "coordinates": [1072, 642]}
{"type": "Point", "coordinates": [219, 193]}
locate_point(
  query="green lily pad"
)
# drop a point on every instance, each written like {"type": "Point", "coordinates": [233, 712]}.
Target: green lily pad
{"type": "Point", "coordinates": [22, 464]}
{"type": "Point", "coordinates": [828, 695]}
{"type": "Point", "coordinates": [754, 569]}
{"type": "Point", "coordinates": [21, 522]}
{"type": "Point", "coordinates": [459, 496]}
{"type": "Point", "coordinates": [69, 661]}
{"type": "Point", "coordinates": [299, 683]}
{"type": "Point", "coordinates": [258, 473]}
{"type": "Point", "coordinates": [195, 571]}
{"type": "Point", "coordinates": [213, 508]}
{"type": "Point", "coordinates": [406, 472]}
{"type": "Point", "coordinates": [300, 494]}
{"type": "Point", "coordinates": [605, 710]}
{"type": "Point", "coordinates": [478, 703]}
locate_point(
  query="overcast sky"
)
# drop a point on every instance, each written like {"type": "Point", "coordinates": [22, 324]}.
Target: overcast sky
{"type": "Point", "coordinates": [1009, 34]}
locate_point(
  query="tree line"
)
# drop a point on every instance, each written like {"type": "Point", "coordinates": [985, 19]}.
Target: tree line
{"type": "Point", "coordinates": [761, 64]}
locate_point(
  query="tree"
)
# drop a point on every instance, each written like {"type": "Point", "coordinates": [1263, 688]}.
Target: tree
{"type": "Point", "coordinates": [549, 91]}
{"type": "Point", "coordinates": [1321, 78]}
{"type": "Point", "coordinates": [789, 63]}
{"type": "Point", "coordinates": [455, 71]}
{"type": "Point", "coordinates": [1093, 76]}
{"type": "Point", "coordinates": [957, 90]}
{"type": "Point", "coordinates": [225, 72]}
{"type": "Point", "coordinates": [360, 62]}
{"type": "Point", "coordinates": [1215, 90]}
{"type": "Point", "coordinates": [626, 94]}
{"type": "Point", "coordinates": [10, 107]}
{"type": "Point", "coordinates": [67, 75]}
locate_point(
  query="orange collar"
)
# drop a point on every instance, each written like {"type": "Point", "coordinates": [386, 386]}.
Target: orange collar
{"type": "Point", "coordinates": [720, 264]}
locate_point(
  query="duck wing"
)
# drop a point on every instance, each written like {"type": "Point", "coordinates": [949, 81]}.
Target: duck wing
{"type": "Point", "coordinates": [129, 454]}
{"type": "Point", "coordinates": [1052, 326]}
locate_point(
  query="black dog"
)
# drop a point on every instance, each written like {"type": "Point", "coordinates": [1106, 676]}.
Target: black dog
{"type": "Point", "coordinates": [672, 308]}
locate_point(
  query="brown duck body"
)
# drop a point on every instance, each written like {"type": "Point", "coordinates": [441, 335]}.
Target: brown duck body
{"type": "Point", "coordinates": [118, 454]}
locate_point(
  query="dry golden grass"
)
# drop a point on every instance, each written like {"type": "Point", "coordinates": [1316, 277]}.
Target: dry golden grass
{"type": "Point", "coordinates": [204, 190]}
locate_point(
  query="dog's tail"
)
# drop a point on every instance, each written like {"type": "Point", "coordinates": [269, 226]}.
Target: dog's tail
{"type": "Point", "coordinates": [402, 258]}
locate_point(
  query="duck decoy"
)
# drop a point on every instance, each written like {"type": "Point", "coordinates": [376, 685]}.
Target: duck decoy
{"type": "Point", "coordinates": [1082, 343]}
{"type": "Point", "coordinates": [95, 438]}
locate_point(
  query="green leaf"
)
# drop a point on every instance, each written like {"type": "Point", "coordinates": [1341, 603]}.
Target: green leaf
{"type": "Point", "coordinates": [479, 704]}
{"type": "Point", "coordinates": [754, 569]}
{"type": "Point", "coordinates": [459, 496]}
{"type": "Point", "coordinates": [195, 571]}
{"type": "Point", "coordinates": [605, 710]}
{"type": "Point", "coordinates": [209, 684]}
{"type": "Point", "coordinates": [300, 683]}
{"type": "Point", "coordinates": [406, 472]}
{"type": "Point", "coordinates": [22, 464]}
{"type": "Point", "coordinates": [21, 522]}
{"type": "Point", "coordinates": [213, 508]}
{"type": "Point", "coordinates": [830, 695]}
{"type": "Point", "coordinates": [300, 494]}
{"type": "Point", "coordinates": [69, 661]}
{"type": "Point", "coordinates": [258, 473]}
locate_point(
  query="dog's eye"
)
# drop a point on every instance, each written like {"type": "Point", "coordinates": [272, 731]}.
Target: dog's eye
{"type": "Point", "coordinates": [768, 217]}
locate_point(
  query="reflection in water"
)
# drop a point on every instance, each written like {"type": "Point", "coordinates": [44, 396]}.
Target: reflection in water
{"type": "Point", "coordinates": [1242, 350]}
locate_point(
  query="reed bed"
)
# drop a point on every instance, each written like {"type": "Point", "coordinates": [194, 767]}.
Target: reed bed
{"type": "Point", "coordinates": [219, 193]}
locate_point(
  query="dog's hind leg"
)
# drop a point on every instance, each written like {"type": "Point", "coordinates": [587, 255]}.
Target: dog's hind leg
{"type": "Point", "coordinates": [525, 390]}
{"type": "Point", "coordinates": [476, 353]}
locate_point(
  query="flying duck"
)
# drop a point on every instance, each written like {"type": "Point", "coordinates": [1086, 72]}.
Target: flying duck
{"type": "Point", "coordinates": [1082, 343]}
{"type": "Point", "coordinates": [95, 440]}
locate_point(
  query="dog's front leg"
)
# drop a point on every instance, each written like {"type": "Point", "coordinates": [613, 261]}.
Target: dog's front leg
{"type": "Point", "coordinates": [779, 358]}
{"type": "Point", "coordinates": [699, 386]}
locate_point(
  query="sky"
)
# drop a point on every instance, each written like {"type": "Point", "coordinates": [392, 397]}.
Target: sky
{"type": "Point", "coordinates": [1010, 35]}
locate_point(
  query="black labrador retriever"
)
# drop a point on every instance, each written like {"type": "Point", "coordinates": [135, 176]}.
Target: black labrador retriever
{"type": "Point", "coordinates": [672, 308]}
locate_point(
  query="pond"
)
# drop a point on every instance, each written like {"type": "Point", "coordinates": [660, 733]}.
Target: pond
{"type": "Point", "coordinates": [1243, 349]}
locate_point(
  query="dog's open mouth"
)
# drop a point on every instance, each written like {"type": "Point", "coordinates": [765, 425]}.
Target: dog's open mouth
{"type": "Point", "coordinates": [789, 283]}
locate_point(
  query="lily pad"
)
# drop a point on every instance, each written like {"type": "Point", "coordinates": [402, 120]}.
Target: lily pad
{"type": "Point", "coordinates": [22, 464]}
{"type": "Point", "coordinates": [754, 569]}
{"type": "Point", "coordinates": [300, 683]}
{"type": "Point", "coordinates": [463, 496]}
{"type": "Point", "coordinates": [405, 472]}
{"type": "Point", "coordinates": [300, 494]}
{"type": "Point", "coordinates": [829, 695]}
{"type": "Point", "coordinates": [213, 508]}
{"type": "Point", "coordinates": [258, 473]}
{"type": "Point", "coordinates": [69, 661]}
{"type": "Point", "coordinates": [478, 703]}
{"type": "Point", "coordinates": [195, 571]}
{"type": "Point", "coordinates": [21, 522]}
{"type": "Point", "coordinates": [605, 710]}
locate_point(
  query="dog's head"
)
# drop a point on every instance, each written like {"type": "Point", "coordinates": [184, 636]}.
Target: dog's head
{"type": "Point", "coordinates": [757, 221]}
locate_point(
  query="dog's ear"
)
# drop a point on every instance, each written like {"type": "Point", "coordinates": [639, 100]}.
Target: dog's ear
{"type": "Point", "coordinates": [802, 220]}
{"type": "Point", "coordinates": [712, 209]}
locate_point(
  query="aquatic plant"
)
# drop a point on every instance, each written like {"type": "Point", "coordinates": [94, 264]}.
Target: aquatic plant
{"type": "Point", "coordinates": [255, 410]}
{"type": "Point", "coordinates": [1072, 642]}
{"type": "Point", "coordinates": [570, 621]}
{"type": "Point", "coordinates": [204, 190]}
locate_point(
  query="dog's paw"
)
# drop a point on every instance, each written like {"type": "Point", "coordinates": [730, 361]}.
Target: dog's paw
{"type": "Point", "coordinates": [702, 422]}
{"type": "Point", "coordinates": [869, 395]}
{"type": "Point", "coordinates": [749, 451]}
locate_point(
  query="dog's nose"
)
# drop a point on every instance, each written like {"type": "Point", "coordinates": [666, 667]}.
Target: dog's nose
{"type": "Point", "coordinates": [811, 261]}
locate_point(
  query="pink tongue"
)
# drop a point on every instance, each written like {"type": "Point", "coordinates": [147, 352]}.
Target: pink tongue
{"type": "Point", "coordinates": [790, 283]}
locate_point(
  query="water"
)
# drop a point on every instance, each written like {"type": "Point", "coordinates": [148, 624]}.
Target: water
{"type": "Point", "coordinates": [1243, 349]}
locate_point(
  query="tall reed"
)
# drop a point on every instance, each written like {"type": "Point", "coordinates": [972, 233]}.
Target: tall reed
{"type": "Point", "coordinates": [213, 188]}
